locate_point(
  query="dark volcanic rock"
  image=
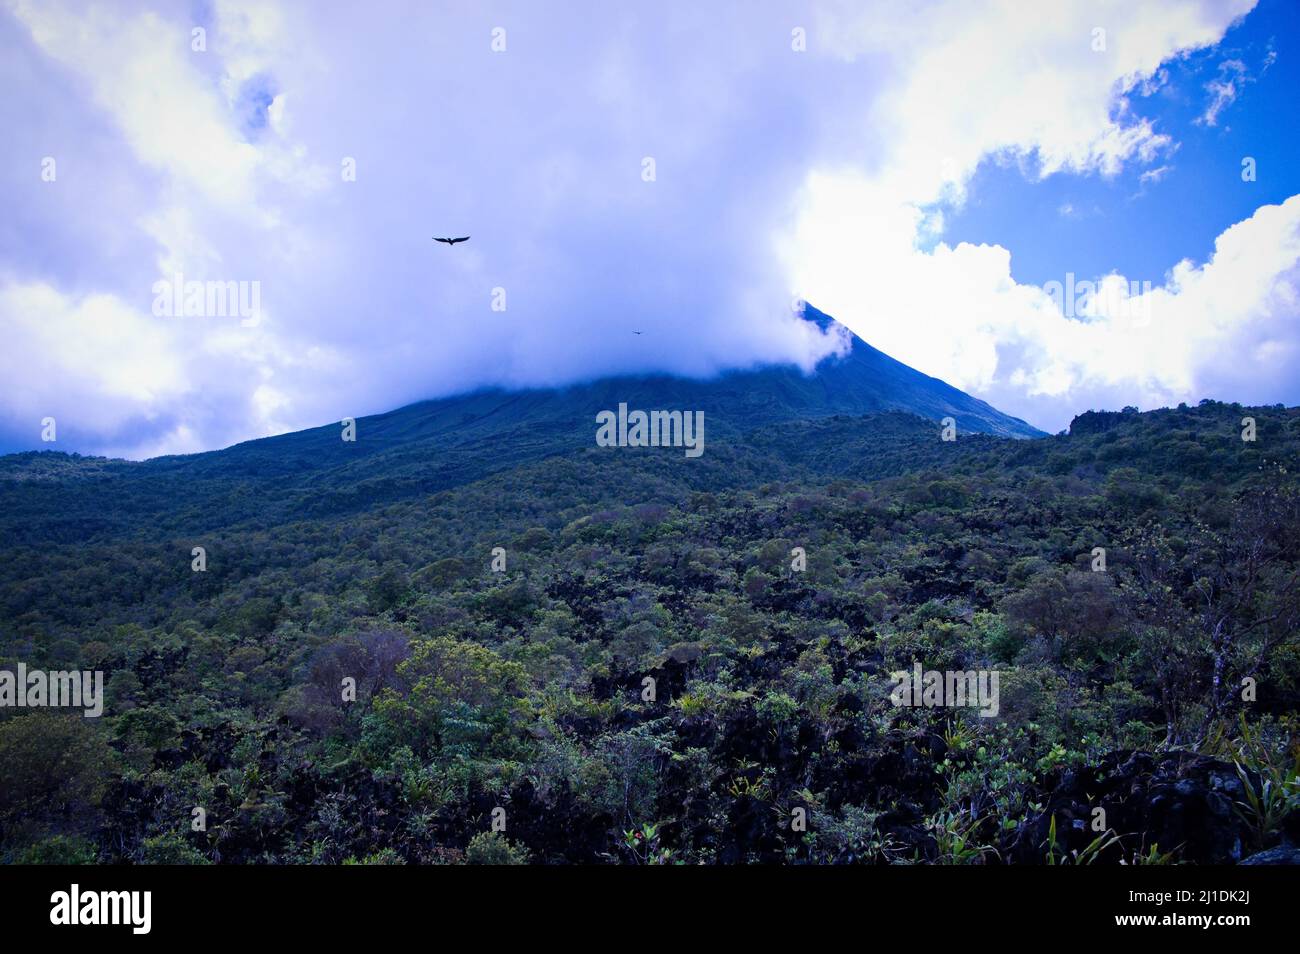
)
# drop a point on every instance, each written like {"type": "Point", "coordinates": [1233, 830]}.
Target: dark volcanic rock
{"type": "Point", "coordinates": [1275, 856]}
{"type": "Point", "coordinates": [1178, 801]}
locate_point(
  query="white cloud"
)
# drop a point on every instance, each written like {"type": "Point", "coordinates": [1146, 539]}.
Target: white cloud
{"type": "Point", "coordinates": [958, 314]}
{"type": "Point", "coordinates": [537, 153]}
{"type": "Point", "coordinates": [113, 363]}
{"type": "Point", "coordinates": [143, 74]}
{"type": "Point", "coordinates": [974, 80]}
{"type": "Point", "coordinates": [1154, 175]}
{"type": "Point", "coordinates": [998, 82]}
{"type": "Point", "coordinates": [1223, 90]}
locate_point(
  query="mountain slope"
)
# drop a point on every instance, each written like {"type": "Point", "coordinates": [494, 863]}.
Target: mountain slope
{"type": "Point", "coordinates": [520, 425]}
{"type": "Point", "coordinates": [523, 687]}
{"type": "Point", "coordinates": [446, 443]}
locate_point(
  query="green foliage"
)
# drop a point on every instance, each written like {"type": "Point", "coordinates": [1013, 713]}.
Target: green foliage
{"type": "Point", "coordinates": [170, 849]}
{"type": "Point", "coordinates": [956, 841]}
{"type": "Point", "coordinates": [462, 697]}
{"type": "Point", "coordinates": [493, 848]}
{"type": "Point", "coordinates": [526, 688]}
{"type": "Point", "coordinates": [1267, 760]}
{"type": "Point", "coordinates": [386, 856]}
{"type": "Point", "coordinates": [850, 835]}
{"type": "Point", "coordinates": [1056, 855]}
{"type": "Point", "coordinates": [58, 850]}
{"type": "Point", "coordinates": [57, 768]}
{"type": "Point", "coordinates": [642, 846]}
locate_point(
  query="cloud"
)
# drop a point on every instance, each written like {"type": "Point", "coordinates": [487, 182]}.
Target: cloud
{"type": "Point", "coordinates": [230, 159]}
{"type": "Point", "coordinates": [1223, 90]}
{"type": "Point", "coordinates": [1151, 176]}
{"type": "Point", "coordinates": [142, 79]}
{"type": "Point", "coordinates": [975, 80]}
{"type": "Point", "coordinates": [777, 173]}
{"type": "Point", "coordinates": [1228, 327]}
{"type": "Point", "coordinates": [865, 246]}
{"type": "Point", "coordinates": [102, 385]}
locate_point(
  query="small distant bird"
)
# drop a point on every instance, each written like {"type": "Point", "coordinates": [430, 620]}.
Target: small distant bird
{"type": "Point", "coordinates": [636, 332]}
{"type": "Point", "coordinates": [452, 241]}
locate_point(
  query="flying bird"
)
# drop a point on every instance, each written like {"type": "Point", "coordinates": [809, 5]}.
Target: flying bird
{"type": "Point", "coordinates": [452, 241]}
{"type": "Point", "coordinates": [636, 332]}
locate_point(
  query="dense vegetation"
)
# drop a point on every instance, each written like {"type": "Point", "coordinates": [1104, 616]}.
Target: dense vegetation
{"type": "Point", "coordinates": [525, 690]}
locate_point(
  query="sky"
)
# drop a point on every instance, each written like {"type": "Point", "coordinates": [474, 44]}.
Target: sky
{"type": "Point", "coordinates": [935, 175]}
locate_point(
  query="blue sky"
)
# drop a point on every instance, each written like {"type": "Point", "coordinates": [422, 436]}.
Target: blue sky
{"type": "Point", "coordinates": [920, 171]}
{"type": "Point", "coordinates": [1093, 225]}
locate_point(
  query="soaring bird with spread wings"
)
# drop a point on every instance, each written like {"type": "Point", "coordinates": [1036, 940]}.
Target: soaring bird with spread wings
{"type": "Point", "coordinates": [452, 241]}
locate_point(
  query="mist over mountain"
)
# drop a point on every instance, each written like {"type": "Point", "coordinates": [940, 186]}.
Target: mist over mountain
{"type": "Point", "coordinates": [857, 380]}
{"type": "Point", "coordinates": [438, 444]}
{"type": "Point", "coordinates": [572, 542]}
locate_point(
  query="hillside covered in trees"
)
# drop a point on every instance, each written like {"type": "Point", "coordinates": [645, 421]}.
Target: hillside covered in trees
{"type": "Point", "coordinates": [625, 655]}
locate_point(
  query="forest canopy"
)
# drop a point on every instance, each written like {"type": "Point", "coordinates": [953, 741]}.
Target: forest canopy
{"type": "Point", "coordinates": [626, 656]}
